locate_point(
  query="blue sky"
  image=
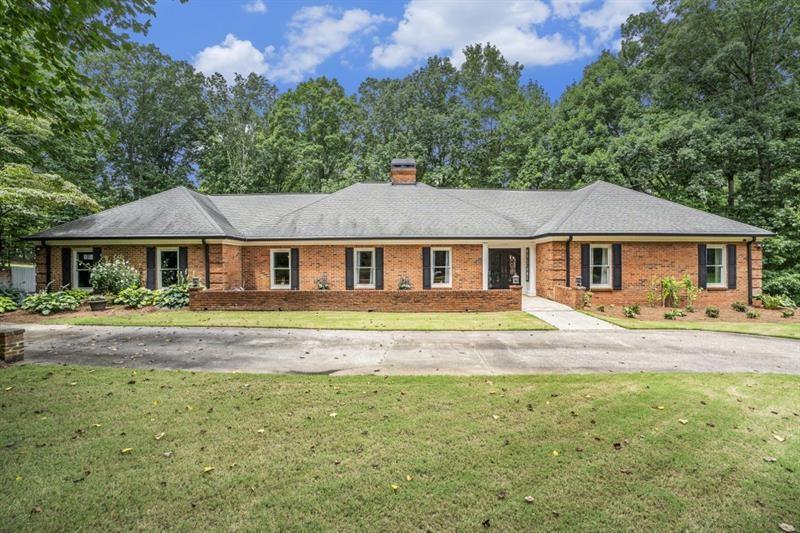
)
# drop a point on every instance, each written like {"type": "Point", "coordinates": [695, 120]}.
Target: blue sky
{"type": "Point", "coordinates": [291, 41]}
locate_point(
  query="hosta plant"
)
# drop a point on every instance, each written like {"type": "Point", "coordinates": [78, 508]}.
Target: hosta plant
{"type": "Point", "coordinates": [135, 297]}
{"type": "Point", "coordinates": [7, 304]}
{"type": "Point", "coordinates": [46, 303]}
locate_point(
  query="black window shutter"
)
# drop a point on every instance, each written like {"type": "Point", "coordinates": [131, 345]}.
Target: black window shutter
{"type": "Point", "coordinates": [98, 253]}
{"type": "Point", "coordinates": [616, 269]}
{"type": "Point", "coordinates": [731, 266]}
{"type": "Point", "coordinates": [426, 268]}
{"type": "Point", "coordinates": [150, 280]}
{"type": "Point", "coordinates": [295, 274]}
{"type": "Point", "coordinates": [379, 268]}
{"type": "Point", "coordinates": [701, 266]}
{"type": "Point", "coordinates": [585, 256]}
{"type": "Point", "coordinates": [183, 261]}
{"type": "Point", "coordinates": [66, 267]}
{"type": "Point", "coordinates": [348, 269]}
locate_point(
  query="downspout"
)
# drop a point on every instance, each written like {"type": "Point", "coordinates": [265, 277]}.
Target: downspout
{"type": "Point", "coordinates": [48, 276]}
{"type": "Point", "coordinates": [750, 270]}
{"type": "Point", "coordinates": [568, 257]}
{"type": "Point", "coordinates": [207, 264]}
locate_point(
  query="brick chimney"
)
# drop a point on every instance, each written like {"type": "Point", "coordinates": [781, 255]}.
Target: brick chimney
{"type": "Point", "coordinates": [404, 172]}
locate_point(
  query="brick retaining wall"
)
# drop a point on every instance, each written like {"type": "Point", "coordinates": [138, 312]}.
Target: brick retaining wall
{"type": "Point", "coordinates": [12, 344]}
{"type": "Point", "coordinates": [357, 300]}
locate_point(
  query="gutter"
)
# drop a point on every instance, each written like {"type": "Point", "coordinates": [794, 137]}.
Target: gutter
{"type": "Point", "coordinates": [48, 277]}
{"type": "Point", "coordinates": [568, 258]}
{"type": "Point", "coordinates": [207, 264]}
{"type": "Point", "coordinates": [750, 270]}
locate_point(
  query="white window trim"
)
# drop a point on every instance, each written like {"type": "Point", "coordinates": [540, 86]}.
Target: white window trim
{"type": "Point", "coordinates": [356, 284]}
{"type": "Point", "coordinates": [449, 251]}
{"type": "Point", "coordinates": [610, 283]}
{"type": "Point", "coordinates": [158, 262]}
{"type": "Point", "coordinates": [272, 284]}
{"type": "Point", "coordinates": [75, 252]}
{"type": "Point", "coordinates": [723, 284]}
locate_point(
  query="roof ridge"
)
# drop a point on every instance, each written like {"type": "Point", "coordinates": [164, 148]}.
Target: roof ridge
{"type": "Point", "coordinates": [586, 193]}
{"type": "Point", "coordinates": [505, 217]}
{"type": "Point", "coordinates": [193, 194]}
{"type": "Point", "coordinates": [324, 197]}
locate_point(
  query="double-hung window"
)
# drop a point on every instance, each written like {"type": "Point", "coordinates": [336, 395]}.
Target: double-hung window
{"type": "Point", "coordinates": [441, 267]}
{"type": "Point", "coordinates": [600, 266]}
{"type": "Point", "coordinates": [281, 269]}
{"type": "Point", "coordinates": [365, 267]}
{"type": "Point", "coordinates": [715, 266]}
{"type": "Point", "coordinates": [167, 267]}
{"type": "Point", "coordinates": [84, 262]}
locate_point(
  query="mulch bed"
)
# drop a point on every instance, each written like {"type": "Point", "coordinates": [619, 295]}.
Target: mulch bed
{"type": "Point", "coordinates": [726, 314]}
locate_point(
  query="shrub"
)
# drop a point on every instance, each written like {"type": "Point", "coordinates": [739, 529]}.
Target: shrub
{"type": "Point", "coordinates": [689, 308]}
{"type": "Point", "coordinates": [673, 314]}
{"type": "Point", "coordinates": [752, 313]}
{"type": "Point", "coordinates": [691, 292]}
{"type": "Point", "coordinates": [631, 311]}
{"type": "Point", "coordinates": [777, 302]}
{"type": "Point", "coordinates": [110, 276]}
{"type": "Point", "coordinates": [787, 313]}
{"type": "Point", "coordinates": [50, 302]}
{"type": "Point", "coordinates": [782, 283]}
{"type": "Point", "coordinates": [601, 308]}
{"type": "Point", "coordinates": [404, 284]}
{"type": "Point", "coordinates": [653, 292]}
{"type": "Point", "coordinates": [135, 297]}
{"type": "Point", "coordinates": [739, 307]}
{"type": "Point", "coordinates": [79, 294]}
{"type": "Point", "coordinates": [7, 304]}
{"type": "Point", "coordinates": [10, 292]}
{"type": "Point", "coordinates": [670, 291]}
{"type": "Point", "coordinates": [712, 311]}
{"type": "Point", "coordinates": [322, 283]}
{"type": "Point", "coordinates": [173, 297]}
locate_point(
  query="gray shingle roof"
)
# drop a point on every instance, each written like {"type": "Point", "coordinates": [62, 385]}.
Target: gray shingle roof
{"type": "Point", "coordinates": [386, 211]}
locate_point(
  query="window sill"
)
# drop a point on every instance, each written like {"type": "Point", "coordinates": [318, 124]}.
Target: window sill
{"type": "Point", "coordinates": [364, 286]}
{"type": "Point", "coordinates": [442, 286]}
{"type": "Point", "coordinates": [280, 287]}
{"type": "Point", "coordinates": [601, 289]}
{"type": "Point", "coordinates": [720, 288]}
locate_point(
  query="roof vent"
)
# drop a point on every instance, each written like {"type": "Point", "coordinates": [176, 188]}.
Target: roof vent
{"type": "Point", "coordinates": [404, 172]}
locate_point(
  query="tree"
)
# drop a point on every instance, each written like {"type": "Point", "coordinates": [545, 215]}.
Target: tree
{"type": "Point", "coordinates": [232, 159]}
{"type": "Point", "coordinates": [41, 42]}
{"type": "Point", "coordinates": [153, 111]}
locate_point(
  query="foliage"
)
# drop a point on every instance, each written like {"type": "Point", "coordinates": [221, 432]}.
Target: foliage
{"type": "Point", "coordinates": [10, 292]}
{"type": "Point", "coordinates": [787, 313]}
{"type": "Point", "coordinates": [586, 299]}
{"type": "Point", "coordinates": [674, 313]}
{"type": "Point", "coordinates": [777, 302]}
{"type": "Point", "coordinates": [653, 292]}
{"type": "Point", "coordinates": [739, 307]}
{"type": "Point", "coordinates": [79, 294]}
{"type": "Point", "coordinates": [752, 314]}
{"type": "Point", "coordinates": [691, 292]}
{"type": "Point", "coordinates": [110, 276]}
{"type": "Point", "coordinates": [322, 283]}
{"type": "Point", "coordinates": [670, 291]}
{"type": "Point", "coordinates": [46, 303]}
{"type": "Point", "coordinates": [174, 296]}
{"type": "Point", "coordinates": [40, 43]}
{"type": "Point", "coordinates": [7, 304]}
{"type": "Point", "coordinates": [135, 297]}
{"type": "Point", "coordinates": [601, 308]}
{"type": "Point", "coordinates": [404, 283]}
{"type": "Point", "coordinates": [712, 311]}
{"type": "Point", "coordinates": [631, 311]}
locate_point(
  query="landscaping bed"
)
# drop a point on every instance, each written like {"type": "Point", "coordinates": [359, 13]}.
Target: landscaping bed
{"type": "Point", "coordinates": [110, 449]}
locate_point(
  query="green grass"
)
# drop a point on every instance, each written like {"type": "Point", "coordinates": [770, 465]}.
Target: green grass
{"type": "Point", "coordinates": [63, 429]}
{"type": "Point", "coordinates": [789, 330]}
{"type": "Point", "coordinates": [510, 320]}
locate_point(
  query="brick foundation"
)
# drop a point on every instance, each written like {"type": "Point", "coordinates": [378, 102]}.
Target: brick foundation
{"type": "Point", "coordinates": [12, 345]}
{"type": "Point", "coordinates": [358, 300]}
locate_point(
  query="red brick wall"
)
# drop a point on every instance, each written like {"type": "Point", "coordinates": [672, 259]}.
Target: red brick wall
{"type": "Point", "coordinates": [329, 260]}
{"type": "Point", "coordinates": [135, 254]}
{"type": "Point", "coordinates": [363, 300]}
{"type": "Point", "coordinates": [642, 262]}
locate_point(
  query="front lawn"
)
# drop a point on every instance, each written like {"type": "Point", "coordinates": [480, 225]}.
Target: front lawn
{"type": "Point", "coordinates": [787, 328]}
{"type": "Point", "coordinates": [108, 449]}
{"type": "Point", "coordinates": [510, 320]}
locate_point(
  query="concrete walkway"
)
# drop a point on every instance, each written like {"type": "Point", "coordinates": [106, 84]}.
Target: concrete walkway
{"type": "Point", "coordinates": [403, 352]}
{"type": "Point", "coordinates": [563, 317]}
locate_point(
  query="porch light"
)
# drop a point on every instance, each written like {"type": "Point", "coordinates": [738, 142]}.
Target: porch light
{"type": "Point", "coordinates": [579, 281]}
{"type": "Point", "coordinates": [515, 279]}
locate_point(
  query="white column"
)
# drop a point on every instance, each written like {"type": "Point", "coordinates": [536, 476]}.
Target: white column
{"type": "Point", "coordinates": [485, 266]}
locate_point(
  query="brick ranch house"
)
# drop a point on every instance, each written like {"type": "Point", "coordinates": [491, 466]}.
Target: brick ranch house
{"type": "Point", "coordinates": [458, 249]}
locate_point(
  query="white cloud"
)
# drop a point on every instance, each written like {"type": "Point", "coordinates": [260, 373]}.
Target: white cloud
{"type": "Point", "coordinates": [255, 6]}
{"type": "Point", "coordinates": [315, 33]}
{"type": "Point", "coordinates": [446, 27]}
{"type": "Point", "coordinates": [230, 57]}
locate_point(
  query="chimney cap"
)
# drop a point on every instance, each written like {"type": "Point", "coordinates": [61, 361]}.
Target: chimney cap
{"type": "Point", "coordinates": [404, 163]}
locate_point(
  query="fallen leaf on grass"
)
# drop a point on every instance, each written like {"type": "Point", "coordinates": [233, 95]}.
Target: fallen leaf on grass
{"type": "Point", "coordinates": [683, 421]}
{"type": "Point", "coordinates": [660, 407]}
{"type": "Point", "coordinates": [97, 425]}
{"type": "Point", "coordinates": [126, 450]}
{"type": "Point", "coordinates": [262, 430]}
{"type": "Point", "coordinates": [529, 499]}
{"type": "Point", "coordinates": [395, 487]}
{"type": "Point", "coordinates": [778, 438]}
{"type": "Point", "coordinates": [8, 389]}
{"type": "Point", "coordinates": [208, 469]}
{"type": "Point", "coordinates": [788, 528]}
{"type": "Point", "coordinates": [769, 459]}
{"type": "Point", "coordinates": [495, 417]}
{"type": "Point", "coordinates": [409, 478]}
{"type": "Point", "coordinates": [332, 415]}
{"type": "Point", "coordinates": [160, 436]}
{"type": "Point", "coordinates": [18, 478]}
{"type": "Point", "coordinates": [189, 407]}
{"type": "Point", "coordinates": [555, 453]}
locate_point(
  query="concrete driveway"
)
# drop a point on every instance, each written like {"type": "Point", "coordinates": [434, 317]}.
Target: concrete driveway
{"type": "Point", "coordinates": [401, 352]}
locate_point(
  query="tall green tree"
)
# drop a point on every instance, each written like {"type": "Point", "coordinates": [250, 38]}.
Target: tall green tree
{"type": "Point", "coordinates": [233, 158]}
{"type": "Point", "coordinates": [154, 113]}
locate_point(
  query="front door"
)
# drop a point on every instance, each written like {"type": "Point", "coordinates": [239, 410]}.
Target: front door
{"type": "Point", "coordinates": [504, 268]}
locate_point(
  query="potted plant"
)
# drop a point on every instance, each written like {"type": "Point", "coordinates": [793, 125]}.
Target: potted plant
{"type": "Point", "coordinates": [404, 284]}
{"type": "Point", "coordinates": [97, 303]}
